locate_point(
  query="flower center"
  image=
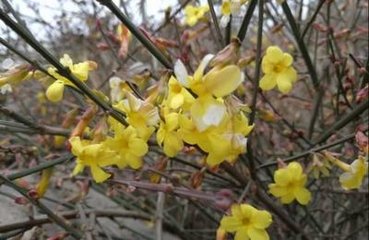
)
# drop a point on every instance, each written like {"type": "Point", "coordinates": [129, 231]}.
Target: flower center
{"type": "Point", "coordinates": [292, 185]}
{"type": "Point", "coordinates": [278, 67]}
{"type": "Point", "coordinates": [245, 221]}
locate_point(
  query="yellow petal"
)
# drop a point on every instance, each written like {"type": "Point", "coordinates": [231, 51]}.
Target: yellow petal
{"type": "Point", "coordinates": [287, 60]}
{"type": "Point", "coordinates": [237, 211]}
{"type": "Point", "coordinates": [172, 145]}
{"type": "Point", "coordinates": [282, 177]}
{"type": "Point", "coordinates": [274, 54]}
{"type": "Point", "coordinates": [247, 211]}
{"type": "Point", "coordinates": [55, 91]}
{"type": "Point", "coordinates": [349, 181]}
{"type": "Point", "coordinates": [288, 198]}
{"type": "Point", "coordinates": [230, 224]}
{"type": "Point", "coordinates": [197, 76]}
{"type": "Point", "coordinates": [258, 234]}
{"type": "Point", "coordinates": [291, 74]}
{"type": "Point", "coordinates": [261, 219]}
{"type": "Point", "coordinates": [295, 168]}
{"type": "Point", "coordinates": [207, 111]}
{"type": "Point", "coordinates": [267, 66]}
{"type": "Point", "coordinates": [223, 82]}
{"type": "Point", "coordinates": [134, 161]}
{"type": "Point", "coordinates": [81, 70]}
{"type": "Point", "coordinates": [78, 168]}
{"type": "Point", "coordinates": [303, 196]}
{"type": "Point", "coordinates": [138, 147]}
{"type": "Point", "coordinates": [77, 146]}
{"type": "Point", "coordinates": [176, 101]}
{"type": "Point", "coordinates": [213, 158]}
{"type": "Point", "coordinates": [277, 191]}
{"type": "Point", "coordinates": [242, 234]}
{"type": "Point", "coordinates": [98, 174]}
{"type": "Point", "coordinates": [171, 121]}
{"type": "Point", "coordinates": [284, 85]}
{"type": "Point", "coordinates": [268, 82]}
{"type": "Point", "coordinates": [160, 134]}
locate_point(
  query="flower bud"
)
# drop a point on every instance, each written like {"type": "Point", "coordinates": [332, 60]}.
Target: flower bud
{"type": "Point", "coordinates": [55, 91]}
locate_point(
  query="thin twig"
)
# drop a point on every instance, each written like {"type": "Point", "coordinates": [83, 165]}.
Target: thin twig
{"type": "Point", "coordinates": [308, 152]}
{"type": "Point", "coordinates": [301, 44]}
{"type": "Point", "coordinates": [246, 20]}
{"type": "Point", "coordinates": [51, 215]}
{"type": "Point", "coordinates": [37, 221]}
{"type": "Point", "coordinates": [137, 33]}
{"type": "Point", "coordinates": [215, 21]}
{"type": "Point", "coordinates": [65, 72]}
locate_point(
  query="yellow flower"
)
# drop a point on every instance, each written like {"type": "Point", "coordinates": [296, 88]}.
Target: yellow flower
{"type": "Point", "coordinates": [354, 174]}
{"type": "Point", "coordinates": [278, 70]}
{"type": "Point", "coordinates": [94, 156]}
{"type": "Point", "coordinates": [167, 135]}
{"type": "Point", "coordinates": [207, 111]}
{"type": "Point", "coordinates": [290, 184]}
{"type": "Point", "coordinates": [178, 96]}
{"type": "Point", "coordinates": [81, 70]}
{"type": "Point", "coordinates": [248, 222]}
{"type": "Point", "coordinates": [194, 14]}
{"type": "Point", "coordinates": [142, 115]}
{"type": "Point", "coordinates": [222, 143]}
{"type": "Point", "coordinates": [208, 108]}
{"type": "Point", "coordinates": [129, 148]}
{"type": "Point", "coordinates": [230, 7]}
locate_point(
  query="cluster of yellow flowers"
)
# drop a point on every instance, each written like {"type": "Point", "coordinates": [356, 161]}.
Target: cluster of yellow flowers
{"type": "Point", "coordinates": [196, 110]}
